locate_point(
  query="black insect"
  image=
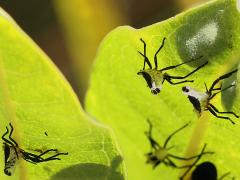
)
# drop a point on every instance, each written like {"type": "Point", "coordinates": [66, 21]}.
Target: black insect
{"type": "Point", "coordinates": [155, 78]}
{"type": "Point", "coordinates": [204, 171]}
{"type": "Point", "coordinates": [159, 154]}
{"type": "Point", "coordinates": [201, 100]}
{"type": "Point", "coordinates": [13, 152]}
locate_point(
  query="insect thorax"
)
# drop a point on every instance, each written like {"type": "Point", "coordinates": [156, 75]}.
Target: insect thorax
{"type": "Point", "coordinates": [153, 77]}
{"type": "Point", "coordinates": [161, 153]}
{"type": "Point", "coordinates": [198, 99]}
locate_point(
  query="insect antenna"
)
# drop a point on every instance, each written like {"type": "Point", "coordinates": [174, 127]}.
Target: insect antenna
{"type": "Point", "coordinates": [146, 60]}
{"type": "Point", "coordinates": [155, 56]}
{"type": "Point", "coordinates": [171, 135]}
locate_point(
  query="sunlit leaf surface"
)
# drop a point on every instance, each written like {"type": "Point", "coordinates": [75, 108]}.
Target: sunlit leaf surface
{"type": "Point", "coordinates": [120, 98]}
{"type": "Point", "coordinates": [46, 114]}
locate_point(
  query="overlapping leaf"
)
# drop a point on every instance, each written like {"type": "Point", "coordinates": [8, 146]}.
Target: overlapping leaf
{"type": "Point", "coordinates": [46, 114]}
{"type": "Point", "coordinates": [121, 99]}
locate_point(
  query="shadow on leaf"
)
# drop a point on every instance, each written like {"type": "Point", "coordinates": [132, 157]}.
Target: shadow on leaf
{"type": "Point", "coordinates": [91, 171]}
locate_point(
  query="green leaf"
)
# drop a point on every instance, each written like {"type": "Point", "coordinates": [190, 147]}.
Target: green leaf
{"type": "Point", "coordinates": [36, 98]}
{"type": "Point", "coordinates": [120, 98]}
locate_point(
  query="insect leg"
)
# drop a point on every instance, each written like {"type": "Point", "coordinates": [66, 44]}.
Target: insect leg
{"type": "Point", "coordinates": [146, 60]}
{"type": "Point", "coordinates": [10, 136]}
{"type": "Point", "coordinates": [47, 151]}
{"type": "Point", "coordinates": [156, 164]}
{"type": "Point", "coordinates": [54, 157]}
{"type": "Point", "coordinates": [194, 163]}
{"type": "Point", "coordinates": [227, 112]}
{"type": "Point", "coordinates": [171, 163]}
{"type": "Point", "coordinates": [28, 160]}
{"type": "Point", "coordinates": [220, 78]}
{"type": "Point", "coordinates": [175, 132]}
{"type": "Point", "coordinates": [215, 114]}
{"type": "Point", "coordinates": [6, 140]}
{"type": "Point", "coordinates": [32, 158]}
{"type": "Point", "coordinates": [154, 144]}
{"type": "Point", "coordinates": [180, 82]}
{"type": "Point", "coordinates": [224, 175]}
{"type": "Point", "coordinates": [221, 90]}
{"type": "Point", "coordinates": [174, 66]}
{"type": "Point", "coordinates": [155, 56]}
{"type": "Point", "coordinates": [189, 158]}
{"type": "Point", "coordinates": [183, 77]}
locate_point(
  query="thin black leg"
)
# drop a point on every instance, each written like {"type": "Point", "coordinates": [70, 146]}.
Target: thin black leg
{"type": "Point", "coordinates": [194, 163]}
{"type": "Point", "coordinates": [206, 87]}
{"type": "Point", "coordinates": [156, 164]}
{"type": "Point", "coordinates": [218, 89]}
{"type": "Point", "coordinates": [189, 158]}
{"type": "Point", "coordinates": [169, 162]}
{"type": "Point", "coordinates": [47, 151]}
{"type": "Point", "coordinates": [180, 82]}
{"type": "Point", "coordinates": [54, 157]}
{"type": "Point", "coordinates": [221, 117]}
{"type": "Point", "coordinates": [155, 56]}
{"type": "Point", "coordinates": [183, 77]}
{"type": "Point", "coordinates": [172, 67]}
{"type": "Point", "coordinates": [10, 136]}
{"type": "Point", "coordinates": [172, 164]}
{"type": "Point", "coordinates": [224, 175]}
{"type": "Point", "coordinates": [227, 112]}
{"type": "Point", "coordinates": [154, 144]}
{"type": "Point", "coordinates": [28, 160]}
{"type": "Point", "coordinates": [6, 140]}
{"type": "Point", "coordinates": [146, 60]}
{"type": "Point", "coordinates": [9, 142]}
{"type": "Point", "coordinates": [221, 90]}
{"type": "Point", "coordinates": [222, 77]}
{"type": "Point", "coordinates": [175, 132]}
{"type": "Point", "coordinates": [33, 158]}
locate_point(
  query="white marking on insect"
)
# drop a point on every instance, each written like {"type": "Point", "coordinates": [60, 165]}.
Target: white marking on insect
{"type": "Point", "coordinates": [154, 87]}
{"type": "Point", "coordinates": [194, 93]}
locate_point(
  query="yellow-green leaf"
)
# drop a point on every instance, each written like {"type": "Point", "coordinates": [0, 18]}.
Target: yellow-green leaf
{"type": "Point", "coordinates": [46, 114]}
{"type": "Point", "coordinates": [120, 98]}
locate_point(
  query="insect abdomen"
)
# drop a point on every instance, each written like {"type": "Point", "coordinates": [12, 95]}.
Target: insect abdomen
{"type": "Point", "coordinates": [195, 102]}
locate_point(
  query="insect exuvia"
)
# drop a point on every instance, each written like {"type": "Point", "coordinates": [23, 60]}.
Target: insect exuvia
{"type": "Point", "coordinates": [155, 78]}
{"type": "Point", "coordinates": [201, 100]}
{"type": "Point", "coordinates": [159, 154]}
{"type": "Point", "coordinates": [13, 152]}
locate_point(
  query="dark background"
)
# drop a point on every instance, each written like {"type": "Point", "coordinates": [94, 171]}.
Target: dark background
{"type": "Point", "coordinates": [44, 23]}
